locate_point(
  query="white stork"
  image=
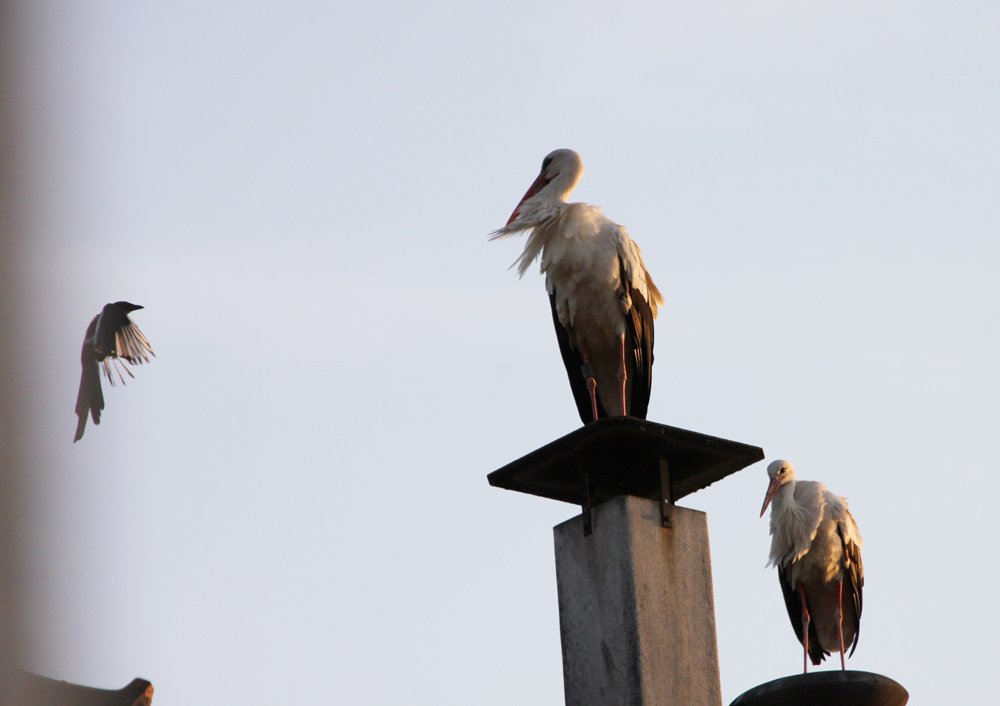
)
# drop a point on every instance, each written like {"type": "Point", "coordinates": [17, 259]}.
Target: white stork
{"type": "Point", "coordinates": [816, 546]}
{"type": "Point", "coordinates": [111, 336]}
{"type": "Point", "coordinates": [603, 300]}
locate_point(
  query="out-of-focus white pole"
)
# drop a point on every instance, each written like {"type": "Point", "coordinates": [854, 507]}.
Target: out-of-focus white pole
{"type": "Point", "coordinates": [15, 296]}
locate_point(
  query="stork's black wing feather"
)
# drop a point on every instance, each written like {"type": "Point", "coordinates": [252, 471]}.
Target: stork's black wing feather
{"type": "Point", "coordinates": [794, 606]}
{"type": "Point", "coordinates": [791, 603]}
{"type": "Point", "coordinates": [574, 370]}
{"type": "Point", "coordinates": [855, 579]}
{"type": "Point", "coordinates": [639, 336]}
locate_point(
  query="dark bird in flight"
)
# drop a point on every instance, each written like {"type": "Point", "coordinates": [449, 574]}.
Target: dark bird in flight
{"type": "Point", "coordinates": [111, 337]}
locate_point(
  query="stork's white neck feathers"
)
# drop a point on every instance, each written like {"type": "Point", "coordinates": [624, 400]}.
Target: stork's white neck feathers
{"type": "Point", "coordinates": [796, 512]}
{"type": "Point", "coordinates": [546, 198]}
{"type": "Point", "coordinates": [562, 169]}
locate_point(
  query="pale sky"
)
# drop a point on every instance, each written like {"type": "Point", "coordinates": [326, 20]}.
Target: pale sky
{"type": "Point", "coordinates": [290, 502]}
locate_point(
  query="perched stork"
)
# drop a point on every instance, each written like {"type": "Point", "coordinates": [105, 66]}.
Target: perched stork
{"type": "Point", "coordinates": [603, 300]}
{"type": "Point", "coordinates": [816, 546]}
{"type": "Point", "coordinates": [110, 337]}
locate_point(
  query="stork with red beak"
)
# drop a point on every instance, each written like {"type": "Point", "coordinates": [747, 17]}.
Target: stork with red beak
{"type": "Point", "coordinates": [603, 300]}
{"type": "Point", "coordinates": [816, 546]}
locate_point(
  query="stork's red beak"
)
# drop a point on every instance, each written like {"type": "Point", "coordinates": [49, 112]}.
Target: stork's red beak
{"type": "Point", "coordinates": [539, 184]}
{"type": "Point", "coordinates": [771, 490]}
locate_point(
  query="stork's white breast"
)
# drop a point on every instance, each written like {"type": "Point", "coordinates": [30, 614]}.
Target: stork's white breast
{"type": "Point", "coordinates": [823, 563]}
{"type": "Point", "coordinates": [582, 269]}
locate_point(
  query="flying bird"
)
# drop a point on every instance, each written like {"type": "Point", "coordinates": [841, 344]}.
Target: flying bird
{"type": "Point", "coordinates": [111, 337]}
{"type": "Point", "coordinates": [816, 546]}
{"type": "Point", "coordinates": [603, 299]}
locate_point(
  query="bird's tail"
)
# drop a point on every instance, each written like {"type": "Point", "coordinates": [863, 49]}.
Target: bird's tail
{"type": "Point", "coordinates": [90, 398]}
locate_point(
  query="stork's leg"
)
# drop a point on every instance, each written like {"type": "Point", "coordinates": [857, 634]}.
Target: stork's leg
{"type": "Point", "coordinates": [588, 374]}
{"type": "Point", "coordinates": [839, 615]}
{"type": "Point", "coordinates": [805, 629]}
{"type": "Point", "coordinates": [621, 374]}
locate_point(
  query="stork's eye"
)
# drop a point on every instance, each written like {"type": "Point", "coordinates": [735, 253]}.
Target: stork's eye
{"type": "Point", "coordinates": [545, 163]}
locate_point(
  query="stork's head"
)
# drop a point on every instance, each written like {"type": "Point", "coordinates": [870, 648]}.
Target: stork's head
{"type": "Point", "coordinates": [561, 170]}
{"type": "Point", "coordinates": [780, 472]}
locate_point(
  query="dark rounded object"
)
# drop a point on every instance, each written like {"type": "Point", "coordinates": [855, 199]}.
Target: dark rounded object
{"type": "Point", "coordinates": [833, 688]}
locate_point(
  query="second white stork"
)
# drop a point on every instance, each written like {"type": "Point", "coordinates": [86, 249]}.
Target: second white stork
{"type": "Point", "coordinates": [603, 299]}
{"type": "Point", "coordinates": [816, 546]}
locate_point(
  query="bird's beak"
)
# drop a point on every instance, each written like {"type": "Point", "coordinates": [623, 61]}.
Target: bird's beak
{"type": "Point", "coordinates": [539, 184]}
{"type": "Point", "coordinates": [771, 490]}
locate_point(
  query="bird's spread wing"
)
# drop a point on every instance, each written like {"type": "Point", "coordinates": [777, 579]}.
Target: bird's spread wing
{"type": "Point", "coordinates": [119, 337]}
{"type": "Point", "coordinates": [847, 528]}
{"type": "Point", "coordinates": [793, 605]}
{"type": "Point", "coordinates": [132, 344]}
{"type": "Point", "coordinates": [574, 370]}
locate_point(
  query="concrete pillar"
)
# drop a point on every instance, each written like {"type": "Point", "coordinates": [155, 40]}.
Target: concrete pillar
{"type": "Point", "coordinates": [636, 609]}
